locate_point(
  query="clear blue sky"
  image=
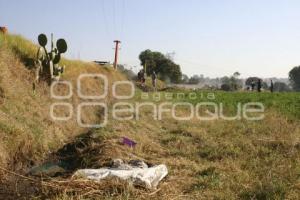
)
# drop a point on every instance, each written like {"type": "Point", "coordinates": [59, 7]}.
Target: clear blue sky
{"type": "Point", "coordinates": [210, 37]}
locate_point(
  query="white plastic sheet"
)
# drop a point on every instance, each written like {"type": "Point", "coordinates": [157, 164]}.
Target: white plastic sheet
{"type": "Point", "coordinates": [146, 177]}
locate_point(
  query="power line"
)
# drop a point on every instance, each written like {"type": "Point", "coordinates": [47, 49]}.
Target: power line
{"type": "Point", "coordinates": [123, 18]}
{"type": "Point", "coordinates": [207, 67]}
{"type": "Point", "coordinates": [114, 18]}
{"type": "Point", "coordinates": [105, 20]}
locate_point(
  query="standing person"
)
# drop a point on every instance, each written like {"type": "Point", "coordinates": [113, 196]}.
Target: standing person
{"type": "Point", "coordinates": [154, 80]}
{"type": "Point", "coordinates": [252, 85]}
{"type": "Point", "coordinates": [272, 86]}
{"type": "Point", "coordinates": [259, 85]}
{"type": "Point", "coordinates": [139, 75]}
{"type": "Point", "coordinates": [143, 77]}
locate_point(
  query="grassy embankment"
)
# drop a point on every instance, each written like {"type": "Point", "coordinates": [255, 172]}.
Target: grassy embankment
{"type": "Point", "coordinates": [27, 133]}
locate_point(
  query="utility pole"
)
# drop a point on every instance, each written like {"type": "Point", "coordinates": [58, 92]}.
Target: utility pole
{"type": "Point", "coordinates": [116, 53]}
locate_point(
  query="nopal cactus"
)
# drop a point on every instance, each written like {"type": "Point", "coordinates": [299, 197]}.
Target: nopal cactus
{"type": "Point", "coordinates": [47, 62]}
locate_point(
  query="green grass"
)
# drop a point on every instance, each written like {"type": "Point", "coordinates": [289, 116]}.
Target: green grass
{"type": "Point", "coordinates": [286, 103]}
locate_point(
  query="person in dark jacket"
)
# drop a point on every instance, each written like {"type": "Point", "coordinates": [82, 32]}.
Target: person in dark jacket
{"type": "Point", "coordinates": [143, 77]}
{"type": "Point", "coordinates": [154, 80]}
{"type": "Point", "coordinates": [272, 86]}
{"type": "Point", "coordinates": [252, 85]}
{"type": "Point", "coordinates": [259, 85]}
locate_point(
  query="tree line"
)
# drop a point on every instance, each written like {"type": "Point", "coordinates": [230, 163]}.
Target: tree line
{"type": "Point", "coordinates": [234, 83]}
{"type": "Point", "coordinates": [169, 71]}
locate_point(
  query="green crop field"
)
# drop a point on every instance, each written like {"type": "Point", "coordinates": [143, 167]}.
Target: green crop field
{"type": "Point", "coordinates": [286, 103]}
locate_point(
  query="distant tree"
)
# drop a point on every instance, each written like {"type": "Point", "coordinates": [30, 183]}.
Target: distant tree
{"type": "Point", "coordinates": [236, 83]}
{"type": "Point", "coordinates": [163, 66]}
{"type": "Point", "coordinates": [184, 79]}
{"type": "Point", "coordinates": [226, 87]}
{"type": "Point", "coordinates": [195, 79]}
{"type": "Point", "coordinates": [226, 84]}
{"type": "Point", "coordinates": [250, 80]}
{"type": "Point", "coordinates": [231, 83]}
{"type": "Point", "coordinates": [202, 79]}
{"type": "Point", "coordinates": [225, 80]}
{"type": "Point", "coordinates": [236, 74]}
{"type": "Point", "coordinates": [264, 85]}
{"type": "Point", "coordinates": [281, 87]}
{"type": "Point", "coordinates": [294, 77]}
